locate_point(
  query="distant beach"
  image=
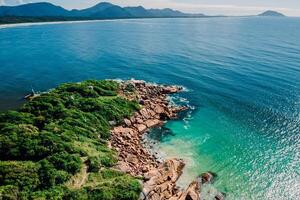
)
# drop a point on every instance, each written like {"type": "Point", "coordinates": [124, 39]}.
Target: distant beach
{"type": "Point", "coordinates": [2, 26]}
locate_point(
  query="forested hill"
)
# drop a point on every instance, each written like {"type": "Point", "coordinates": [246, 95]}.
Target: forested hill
{"type": "Point", "coordinates": [55, 146]}
{"type": "Point", "coordinates": [47, 12]}
{"type": "Point", "coordinates": [100, 11]}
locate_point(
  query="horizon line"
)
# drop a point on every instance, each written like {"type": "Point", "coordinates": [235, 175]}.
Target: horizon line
{"type": "Point", "coordinates": [262, 10]}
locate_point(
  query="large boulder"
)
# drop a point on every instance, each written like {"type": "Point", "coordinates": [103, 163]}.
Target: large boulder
{"type": "Point", "coordinates": [192, 192]}
{"type": "Point", "coordinates": [141, 127]}
{"type": "Point", "coordinates": [123, 166]}
{"type": "Point", "coordinates": [127, 122]}
{"type": "Point", "coordinates": [160, 182]}
{"type": "Point", "coordinates": [153, 122]}
{"type": "Point", "coordinates": [159, 109]}
{"type": "Point", "coordinates": [144, 113]}
{"type": "Point", "coordinates": [171, 89]}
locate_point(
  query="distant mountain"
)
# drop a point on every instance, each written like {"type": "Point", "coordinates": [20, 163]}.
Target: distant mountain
{"type": "Point", "coordinates": [271, 13]}
{"type": "Point", "coordinates": [166, 12]}
{"type": "Point", "coordinates": [139, 11]}
{"type": "Point", "coordinates": [99, 11]}
{"type": "Point", "coordinates": [33, 10]}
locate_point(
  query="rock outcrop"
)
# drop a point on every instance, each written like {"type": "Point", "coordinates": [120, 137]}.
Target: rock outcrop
{"type": "Point", "coordinates": [160, 183]}
{"type": "Point", "coordinates": [191, 193]}
{"type": "Point", "coordinates": [159, 178]}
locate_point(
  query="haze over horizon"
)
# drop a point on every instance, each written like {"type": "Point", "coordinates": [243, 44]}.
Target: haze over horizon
{"type": "Point", "coordinates": [208, 7]}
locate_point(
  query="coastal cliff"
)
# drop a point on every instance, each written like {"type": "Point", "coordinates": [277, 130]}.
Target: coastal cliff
{"type": "Point", "coordinates": [84, 141]}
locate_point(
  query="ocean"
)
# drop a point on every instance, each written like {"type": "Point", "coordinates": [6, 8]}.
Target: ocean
{"type": "Point", "coordinates": [241, 77]}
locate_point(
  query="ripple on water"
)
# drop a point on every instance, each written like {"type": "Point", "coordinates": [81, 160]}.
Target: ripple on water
{"type": "Point", "coordinates": [242, 76]}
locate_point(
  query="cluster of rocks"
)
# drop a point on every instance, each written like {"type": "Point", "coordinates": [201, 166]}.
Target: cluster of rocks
{"type": "Point", "coordinates": [159, 178]}
{"type": "Point", "coordinates": [160, 183]}
{"type": "Point", "coordinates": [127, 139]}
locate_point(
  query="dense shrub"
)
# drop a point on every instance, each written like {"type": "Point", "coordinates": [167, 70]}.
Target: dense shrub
{"type": "Point", "coordinates": [97, 162]}
{"type": "Point", "coordinates": [50, 176]}
{"type": "Point", "coordinates": [9, 192]}
{"type": "Point", "coordinates": [54, 193]}
{"type": "Point", "coordinates": [23, 174]}
{"type": "Point", "coordinates": [114, 186]}
{"type": "Point", "coordinates": [44, 144]}
{"type": "Point", "coordinates": [25, 142]}
{"type": "Point", "coordinates": [65, 161]}
{"type": "Point", "coordinates": [16, 117]}
{"type": "Point", "coordinates": [76, 195]}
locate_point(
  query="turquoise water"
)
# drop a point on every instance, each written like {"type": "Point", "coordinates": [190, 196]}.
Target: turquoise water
{"type": "Point", "coordinates": [242, 76]}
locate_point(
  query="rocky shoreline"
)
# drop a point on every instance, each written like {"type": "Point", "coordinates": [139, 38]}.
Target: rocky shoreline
{"type": "Point", "coordinates": [158, 177]}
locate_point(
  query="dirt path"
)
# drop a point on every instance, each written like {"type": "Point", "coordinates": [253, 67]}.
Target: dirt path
{"type": "Point", "coordinates": [79, 179]}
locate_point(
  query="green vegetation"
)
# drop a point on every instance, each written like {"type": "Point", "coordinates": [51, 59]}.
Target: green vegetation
{"type": "Point", "coordinates": [19, 19]}
{"type": "Point", "coordinates": [51, 140]}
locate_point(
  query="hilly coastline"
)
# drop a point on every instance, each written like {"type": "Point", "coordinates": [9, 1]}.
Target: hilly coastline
{"type": "Point", "coordinates": [47, 12]}
{"type": "Point", "coordinates": [39, 12]}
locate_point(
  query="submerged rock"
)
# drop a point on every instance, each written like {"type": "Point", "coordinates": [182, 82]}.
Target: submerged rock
{"type": "Point", "coordinates": [207, 177]}
{"type": "Point", "coordinates": [220, 196]}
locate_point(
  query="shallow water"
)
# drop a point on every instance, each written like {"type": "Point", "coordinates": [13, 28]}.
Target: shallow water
{"type": "Point", "coordinates": [243, 77]}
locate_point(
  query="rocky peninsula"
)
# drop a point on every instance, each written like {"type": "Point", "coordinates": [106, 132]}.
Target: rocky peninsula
{"type": "Point", "coordinates": [85, 141]}
{"type": "Point", "coordinates": [158, 177]}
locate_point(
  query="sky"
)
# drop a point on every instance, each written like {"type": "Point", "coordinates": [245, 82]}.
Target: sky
{"type": "Point", "coordinates": [210, 7]}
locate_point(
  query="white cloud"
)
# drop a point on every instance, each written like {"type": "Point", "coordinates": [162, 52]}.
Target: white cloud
{"type": "Point", "coordinates": [12, 2]}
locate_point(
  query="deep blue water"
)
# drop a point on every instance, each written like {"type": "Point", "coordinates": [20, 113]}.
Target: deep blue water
{"type": "Point", "coordinates": [242, 76]}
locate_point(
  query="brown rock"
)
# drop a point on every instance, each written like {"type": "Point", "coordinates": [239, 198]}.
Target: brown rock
{"type": "Point", "coordinates": [159, 109]}
{"type": "Point", "coordinates": [141, 127]}
{"type": "Point", "coordinates": [144, 113]}
{"type": "Point", "coordinates": [123, 166]}
{"type": "Point", "coordinates": [139, 120]}
{"type": "Point", "coordinates": [192, 192]}
{"type": "Point", "coordinates": [154, 196]}
{"type": "Point", "coordinates": [132, 119]}
{"type": "Point", "coordinates": [127, 122]}
{"type": "Point", "coordinates": [170, 90]}
{"type": "Point", "coordinates": [132, 159]}
{"type": "Point", "coordinates": [159, 178]}
{"type": "Point", "coordinates": [163, 178]}
{"type": "Point", "coordinates": [153, 122]}
{"type": "Point", "coordinates": [137, 82]}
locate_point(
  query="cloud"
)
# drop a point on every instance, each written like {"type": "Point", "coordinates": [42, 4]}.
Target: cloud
{"type": "Point", "coordinates": [12, 2]}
